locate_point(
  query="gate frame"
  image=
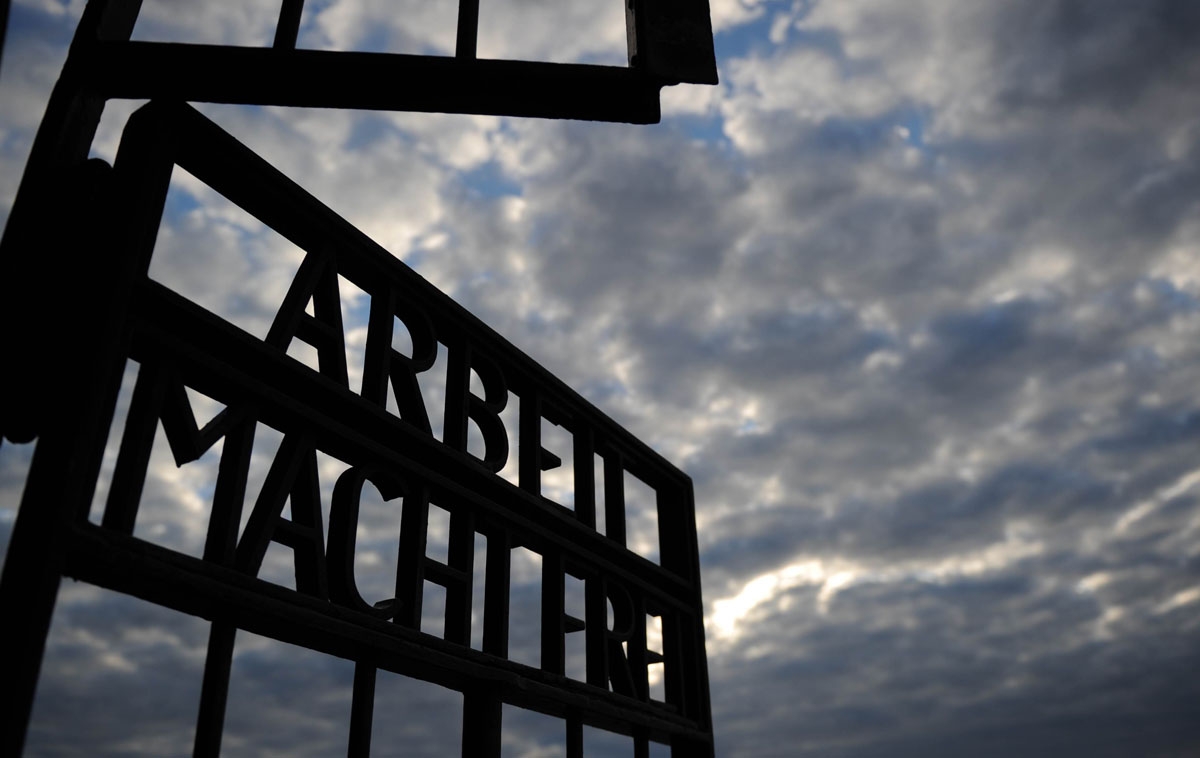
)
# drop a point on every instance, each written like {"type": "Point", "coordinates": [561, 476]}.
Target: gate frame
{"type": "Point", "coordinates": [71, 418]}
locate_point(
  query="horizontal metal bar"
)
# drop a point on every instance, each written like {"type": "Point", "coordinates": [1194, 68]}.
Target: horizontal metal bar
{"type": "Point", "coordinates": [372, 81]}
{"type": "Point", "coordinates": [443, 575]}
{"type": "Point", "coordinates": [199, 588]}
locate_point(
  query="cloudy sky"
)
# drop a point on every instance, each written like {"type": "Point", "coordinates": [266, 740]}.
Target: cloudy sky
{"type": "Point", "coordinates": [913, 296]}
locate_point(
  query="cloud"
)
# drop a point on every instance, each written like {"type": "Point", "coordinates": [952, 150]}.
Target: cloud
{"type": "Point", "coordinates": [912, 296]}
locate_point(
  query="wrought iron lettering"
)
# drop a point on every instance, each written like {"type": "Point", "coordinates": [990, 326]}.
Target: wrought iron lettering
{"type": "Point", "coordinates": [179, 347]}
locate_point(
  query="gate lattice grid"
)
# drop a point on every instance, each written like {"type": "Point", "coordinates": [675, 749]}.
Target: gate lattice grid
{"type": "Point", "coordinates": [180, 346]}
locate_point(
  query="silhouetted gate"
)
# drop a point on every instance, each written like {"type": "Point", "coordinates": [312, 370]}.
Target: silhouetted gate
{"type": "Point", "coordinates": [115, 213]}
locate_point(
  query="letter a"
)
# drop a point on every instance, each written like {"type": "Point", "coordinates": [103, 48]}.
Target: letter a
{"type": "Point", "coordinates": [293, 473]}
{"type": "Point", "coordinates": [316, 281]}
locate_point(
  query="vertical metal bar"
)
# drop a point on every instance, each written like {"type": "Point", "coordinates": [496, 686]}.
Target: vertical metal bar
{"type": "Point", "coordinates": [29, 307]}
{"type": "Point", "coordinates": [137, 442]}
{"type": "Point", "coordinates": [458, 389]}
{"type": "Point", "coordinates": [675, 666]}
{"type": "Point", "coordinates": [468, 29]}
{"type": "Point", "coordinates": [636, 651]}
{"type": "Point", "coordinates": [62, 142]}
{"type": "Point", "coordinates": [690, 747]}
{"type": "Point", "coordinates": [584, 449]}
{"type": "Point", "coordinates": [214, 691]}
{"type": "Point", "coordinates": [410, 564]}
{"type": "Point", "coordinates": [482, 724]}
{"type": "Point", "coordinates": [596, 631]}
{"type": "Point", "coordinates": [697, 660]}
{"type": "Point", "coordinates": [72, 427]}
{"type": "Point", "coordinates": [574, 736]}
{"type": "Point", "coordinates": [529, 443]}
{"type": "Point", "coordinates": [632, 33]}
{"type": "Point", "coordinates": [288, 28]}
{"type": "Point", "coordinates": [32, 573]}
{"type": "Point", "coordinates": [115, 18]}
{"type": "Point", "coordinates": [461, 557]}
{"type": "Point", "coordinates": [614, 497]}
{"type": "Point", "coordinates": [362, 711]}
{"type": "Point", "coordinates": [495, 594]}
{"type": "Point", "coordinates": [641, 745]}
{"type": "Point", "coordinates": [553, 589]}
{"type": "Point", "coordinates": [673, 548]}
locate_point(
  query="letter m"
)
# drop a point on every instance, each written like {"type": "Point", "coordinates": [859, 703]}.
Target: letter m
{"type": "Point", "coordinates": [159, 395]}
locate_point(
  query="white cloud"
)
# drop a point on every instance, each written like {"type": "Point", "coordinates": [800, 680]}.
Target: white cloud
{"type": "Point", "coordinates": [729, 14]}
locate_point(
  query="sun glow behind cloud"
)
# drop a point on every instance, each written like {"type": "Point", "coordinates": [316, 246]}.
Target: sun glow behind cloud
{"type": "Point", "coordinates": [831, 578]}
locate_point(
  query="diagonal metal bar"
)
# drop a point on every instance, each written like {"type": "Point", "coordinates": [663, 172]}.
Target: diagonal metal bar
{"type": "Point", "coordinates": [214, 690]}
{"type": "Point", "coordinates": [288, 28]}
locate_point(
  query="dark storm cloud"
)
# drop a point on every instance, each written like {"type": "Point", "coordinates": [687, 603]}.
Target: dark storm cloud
{"type": "Point", "coordinates": [1068, 54]}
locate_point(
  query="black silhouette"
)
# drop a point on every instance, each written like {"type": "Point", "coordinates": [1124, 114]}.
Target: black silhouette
{"type": "Point", "coordinates": [93, 270]}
